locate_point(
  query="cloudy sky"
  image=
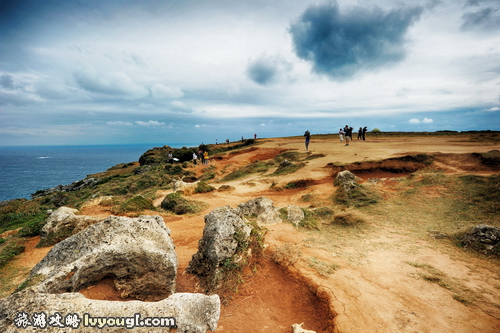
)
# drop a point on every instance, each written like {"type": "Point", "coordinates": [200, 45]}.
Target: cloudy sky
{"type": "Point", "coordinates": [190, 71]}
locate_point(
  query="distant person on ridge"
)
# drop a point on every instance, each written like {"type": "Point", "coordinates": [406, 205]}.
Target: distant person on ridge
{"type": "Point", "coordinates": [348, 134]}
{"type": "Point", "coordinates": [364, 132]}
{"type": "Point", "coordinates": [307, 135]}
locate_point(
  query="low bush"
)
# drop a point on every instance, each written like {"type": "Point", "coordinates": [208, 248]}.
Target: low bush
{"type": "Point", "coordinates": [177, 204]}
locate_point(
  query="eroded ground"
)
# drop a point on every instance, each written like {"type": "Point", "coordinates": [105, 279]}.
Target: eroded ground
{"type": "Point", "coordinates": [389, 275]}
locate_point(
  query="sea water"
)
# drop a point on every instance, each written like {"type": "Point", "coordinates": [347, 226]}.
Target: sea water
{"type": "Point", "coordinates": [27, 169]}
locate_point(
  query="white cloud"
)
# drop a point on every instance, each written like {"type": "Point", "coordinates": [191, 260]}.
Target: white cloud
{"type": "Point", "coordinates": [161, 91]}
{"type": "Point", "coordinates": [180, 106]}
{"type": "Point", "coordinates": [493, 109]}
{"type": "Point", "coordinates": [418, 121]}
{"type": "Point", "coordinates": [120, 123]}
{"type": "Point", "coordinates": [150, 123]}
{"type": "Point", "coordinates": [113, 83]}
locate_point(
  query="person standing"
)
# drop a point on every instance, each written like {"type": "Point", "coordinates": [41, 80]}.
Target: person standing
{"type": "Point", "coordinates": [202, 156]}
{"type": "Point", "coordinates": [360, 133]}
{"type": "Point", "coordinates": [341, 135]}
{"type": "Point", "coordinates": [307, 135]}
{"type": "Point", "coordinates": [348, 134]}
{"type": "Point", "coordinates": [205, 157]}
{"type": "Point", "coordinates": [364, 132]}
{"type": "Point", "coordinates": [195, 157]}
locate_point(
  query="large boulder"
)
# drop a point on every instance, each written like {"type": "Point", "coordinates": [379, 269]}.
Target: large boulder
{"type": "Point", "coordinates": [193, 313]}
{"type": "Point", "coordinates": [484, 238]}
{"type": "Point", "coordinates": [224, 234]}
{"type": "Point", "coordinates": [262, 209]}
{"type": "Point", "coordinates": [137, 252]}
{"type": "Point", "coordinates": [64, 222]}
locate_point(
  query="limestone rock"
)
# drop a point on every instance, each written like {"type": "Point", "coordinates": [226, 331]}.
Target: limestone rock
{"type": "Point", "coordinates": [186, 188]}
{"type": "Point", "coordinates": [75, 186]}
{"type": "Point", "coordinates": [225, 230]}
{"type": "Point", "coordinates": [483, 237]}
{"type": "Point", "coordinates": [295, 215]}
{"type": "Point", "coordinates": [138, 252]}
{"type": "Point", "coordinates": [65, 221]}
{"type": "Point", "coordinates": [263, 209]}
{"type": "Point", "coordinates": [346, 179]}
{"type": "Point", "coordinates": [193, 313]}
{"type": "Point", "coordinates": [297, 328]}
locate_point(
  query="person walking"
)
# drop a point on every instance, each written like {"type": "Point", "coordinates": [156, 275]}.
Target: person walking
{"type": "Point", "coordinates": [341, 135]}
{"type": "Point", "coordinates": [307, 135]}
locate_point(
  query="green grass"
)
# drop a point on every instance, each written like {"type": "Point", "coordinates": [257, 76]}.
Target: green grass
{"type": "Point", "coordinates": [9, 249]}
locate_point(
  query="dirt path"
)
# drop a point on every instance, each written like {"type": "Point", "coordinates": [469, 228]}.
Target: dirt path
{"type": "Point", "coordinates": [372, 281]}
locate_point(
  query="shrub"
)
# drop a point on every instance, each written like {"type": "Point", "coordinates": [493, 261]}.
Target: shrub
{"type": "Point", "coordinates": [176, 203]}
{"type": "Point", "coordinates": [359, 196]}
{"type": "Point", "coordinates": [9, 250]}
{"type": "Point", "coordinates": [348, 219]}
{"type": "Point", "coordinates": [203, 187]}
{"type": "Point", "coordinates": [136, 204]}
{"type": "Point", "coordinates": [301, 183]}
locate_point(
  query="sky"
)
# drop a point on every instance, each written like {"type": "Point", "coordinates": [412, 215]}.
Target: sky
{"type": "Point", "coordinates": [86, 72]}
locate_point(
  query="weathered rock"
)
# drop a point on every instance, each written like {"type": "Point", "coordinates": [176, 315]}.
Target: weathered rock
{"type": "Point", "coordinates": [483, 237]}
{"type": "Point", "coordinates": [193, 313]}
{"type": "Point", "coordinates": [138, 252]}
{"type": "Point", "coordinates": [224, 233]}
{"type": "Point", "coordinates": [345, 176]}
{"type": "Point", "coordinates": [75, 186]}
{"type": "Point", "coordinates": [346, 179]}
{"type": "Point", "coordinates": [295, 215]}
{"type": "Point", "coordinates": [263, 209]}
{"type": "Point", "coordinates": [297, 328]}
{"type": "Point", "coordinates": [64, 222]}
{"type": "Point", "coordinates": [186, 188]}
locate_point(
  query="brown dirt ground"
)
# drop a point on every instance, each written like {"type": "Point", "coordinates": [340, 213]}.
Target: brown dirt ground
{"type": "Point", "coordinates": [374, 288]}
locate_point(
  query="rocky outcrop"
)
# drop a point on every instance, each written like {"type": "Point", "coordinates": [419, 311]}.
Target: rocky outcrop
{"type": "Point", "coordinates": [75, 186]}
{"type": "Point", "coordinates": [484, 238]}
{"type": "Point", "coordinates": [225, 233]}
{"type": "Point", "coordinates": [193, 313]}
{"type": "Point", "coordinates": [137, 252]}
{"type": "Point", "coordinates": [262, 209]}
{"type": "Point", "coordinates": [63, 223]}
{"type": "Point", "coordinates": [186, 188]}
{"type": "Point", "coordinates": [295, 215]}
{"type": "Point", "coordinates": [346, 179]}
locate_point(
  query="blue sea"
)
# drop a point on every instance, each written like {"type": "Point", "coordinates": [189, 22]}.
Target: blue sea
{"type": "Point", "coordinates": [27, 169]}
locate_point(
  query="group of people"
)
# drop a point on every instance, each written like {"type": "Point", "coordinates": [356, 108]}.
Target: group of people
{"type": "Point", "coordinates": [203, 155]}
{"type": "Point", "coordinates": [343, 132]}
{"type": "Point", "coordinates": [347, 132]}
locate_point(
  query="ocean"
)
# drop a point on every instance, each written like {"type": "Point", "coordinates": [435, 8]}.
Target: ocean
{"type": "Point", "coordinates": [27, 169]}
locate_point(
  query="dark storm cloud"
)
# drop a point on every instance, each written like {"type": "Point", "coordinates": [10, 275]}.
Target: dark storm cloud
{"type": "Point", "coordinates": [341, 44]}
{"type": "Point", "coordinates": [267, 69]}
